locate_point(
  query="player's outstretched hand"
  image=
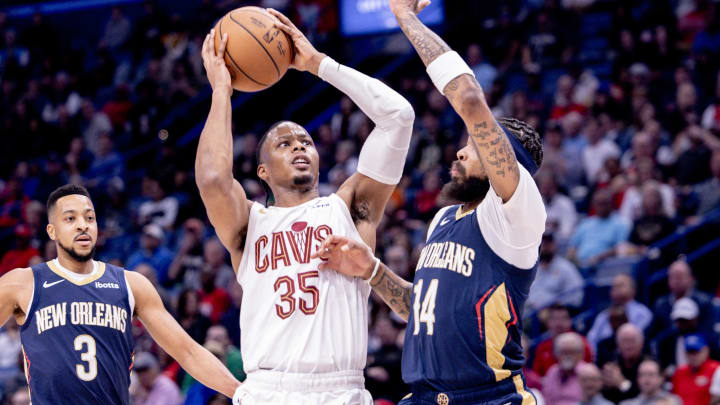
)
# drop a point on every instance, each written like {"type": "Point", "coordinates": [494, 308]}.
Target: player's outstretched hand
{"type": "Point", "coordinates": [214, 62]}
{"type": "Point", "coordinates": [399, 7]}
{"type": "Point", "coordinates": [346, 256]}
{"type": "Point", "coordinates": [306, 57]}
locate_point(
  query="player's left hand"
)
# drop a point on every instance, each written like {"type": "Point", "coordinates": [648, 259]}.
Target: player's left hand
{"type": "Point", "coordinates": [346, 256]}
{"type": "Point", "coordinates": [399, 7]}
{"type": "Point", "coordinates": [306, 57]}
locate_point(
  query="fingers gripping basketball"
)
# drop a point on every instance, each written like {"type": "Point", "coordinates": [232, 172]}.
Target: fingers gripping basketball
{"type": "Point", "coordinates": [257, 54]}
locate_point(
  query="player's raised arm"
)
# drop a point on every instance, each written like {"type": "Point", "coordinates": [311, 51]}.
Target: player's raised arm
{"type": "Point", "coordinates": [355, 259]}
{"type": "Point", "coordinates": [164, 329]}
{"type": "Point", "coordinates": [16, 288]}
{"type": "Point", "coordinates": [223, 196]}
{"type": "Point", "coordinates": [383, 155]}
{"type": "Point", "coordinates": [455, 80]}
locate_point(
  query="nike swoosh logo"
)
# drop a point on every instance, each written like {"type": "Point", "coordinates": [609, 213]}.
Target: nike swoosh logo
{"type": "Point", "coordinates": [444, 221]}
{"type": "Point", "coordinates": [47, 285]}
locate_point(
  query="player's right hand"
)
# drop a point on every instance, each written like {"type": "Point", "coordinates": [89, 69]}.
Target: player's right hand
{"type": "Point", "coordinates": [305, 57]}
{"type": "Point", "coordinates": [217, 73]}
{"type": "Point", "coordinates": [346, 256]}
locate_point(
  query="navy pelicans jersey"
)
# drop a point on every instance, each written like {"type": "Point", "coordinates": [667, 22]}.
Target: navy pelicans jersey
{"type": "Point", "coordinates": [77, 338]}
{"type": "Point", "coordinates": [471, 282]}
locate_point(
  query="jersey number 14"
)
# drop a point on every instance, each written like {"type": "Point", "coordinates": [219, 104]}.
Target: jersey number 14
{"type": "Point", "coordinates": [426, 311]}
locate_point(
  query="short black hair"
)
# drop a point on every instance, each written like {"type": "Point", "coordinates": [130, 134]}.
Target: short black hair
{"type": "Point", "coordinates": [62, 191]}
{"type": "Point", "coordinates": [527, 135]}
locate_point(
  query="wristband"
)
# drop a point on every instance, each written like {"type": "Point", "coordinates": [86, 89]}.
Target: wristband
{"type": "Point", "coordinates": [445, 68]}
{"type": "Point", "coordinates": [375, 270]}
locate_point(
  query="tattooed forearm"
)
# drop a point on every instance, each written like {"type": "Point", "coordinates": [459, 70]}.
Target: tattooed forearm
{"type": "Point", "coordinates": [494, 151]}
{"type": "Point", "coordinates": [393, 290]}
{"type": "Point", "coordinates": [427, 44]}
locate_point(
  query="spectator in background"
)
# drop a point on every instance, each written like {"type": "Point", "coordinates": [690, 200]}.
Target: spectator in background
{"type": "Point", "coordinates": [192, 320]}
{"type": "Point", "coordinates": [383, 366]}
{"type": "Point", "coordinates": [21, 396]}
{"type": "Point", "coordinates": [711, 116]}
{"type": "Point", "coordinates": [10, 349]}
{"type": "Point", "coordinates": [622, 293]}
{"type": "Point", "coordinates": [691, 382]}
{"type": "Point", "coordinates": [21, 254]}
{"type": "Point", "coordinates": [620, 375]}
{"type": "Point", "coordinates": [650, 381]}
{"type": "Point", "coordinates": [597, 150]}
{"type": "Point", "coordinates": [162, 209]}
{"type": "Point", "coordinates": [561, 213]}
{"type": "Point", "coordinates": [230, 318]}
{"type": "Point", "coordinates": [107, 165]}
{"type": "Point", "coordinates": [561, 384]}
{"type": "Point", "coordinates": [669, 347]}
{"type": "Point", "coordinates": [12, 203]}
{"type": "Point", "coordinates": [682, 285]}
{"type": "Point", "coordinates": [607, 348]}
{"type": "Point", "coordinates": [214, 300]}
{"type": "Point", "coordinates": [346, 123]}
{"type": "Point", "coordinates": [556, 280]}
{"type": "Point", "coordinates": [653, 225]}
{"type": "Point", "coordinates": [558, 323]}
{"type": "Point", "coordinates": [117, 30]}
{"type": "Point", "coordinates": [692, 164]}
{"type": "Point", "coordinates": [218, 339]}
{"type": "Point", "coordinates": [708, 191]}
{"type": "Point", "coordinates": [152, 252]}
{"type": "Point", "coordinates": [644, 173]}
{"type": "Point", "coordinates": [591, 383]}
{"type": "Point", "coordinates": [185, 267]}
{"type": "Point", "coordinates": [485, 73]}
{"type": "Point", "coordinates": [154, 388]}
{"type": "Point", "coordinates": [596, 238]}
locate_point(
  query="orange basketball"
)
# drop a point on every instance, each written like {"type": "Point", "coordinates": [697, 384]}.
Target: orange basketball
{"type": "Point", "coordinates": [257, 54]}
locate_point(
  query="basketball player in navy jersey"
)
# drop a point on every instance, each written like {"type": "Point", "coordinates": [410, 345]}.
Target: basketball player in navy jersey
{"type": "Point", "coordinates": [76, 316]}
{"type": "Point", "coordinates": [462, 342]}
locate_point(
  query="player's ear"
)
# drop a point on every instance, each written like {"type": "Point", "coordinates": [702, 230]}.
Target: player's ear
{"type": "Point", "coordinates": [262, 172]}
{"type": "Point", "coordinates": [50, 228]}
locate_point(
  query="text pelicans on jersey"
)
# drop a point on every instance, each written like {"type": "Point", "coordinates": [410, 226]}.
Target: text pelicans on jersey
{"type": "Point", "coordinates": [448, 255]}
{"type": "Point", "coordinates": [81, 313]}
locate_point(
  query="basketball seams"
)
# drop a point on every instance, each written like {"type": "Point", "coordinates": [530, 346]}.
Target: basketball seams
{"type": "Point", "coordinates": [235, 64]}
{"type": "Point", "coordinates": [259, 43]}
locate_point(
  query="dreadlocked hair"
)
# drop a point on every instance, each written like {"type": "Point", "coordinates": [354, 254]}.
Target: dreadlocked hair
{"type": "Point", "coordinates": [527, 135]}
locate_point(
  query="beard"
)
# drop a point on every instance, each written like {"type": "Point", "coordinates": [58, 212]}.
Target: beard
{"type": "Point", "coordinates": [302, 180]}
{"type": "Point", "coordinates": [465, 189]}
{"type": "Point", "coordinates": [77, 256]}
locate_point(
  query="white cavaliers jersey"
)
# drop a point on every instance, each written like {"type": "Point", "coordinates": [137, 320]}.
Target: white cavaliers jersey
{"type": "Point", "coordinates": [296, 318]}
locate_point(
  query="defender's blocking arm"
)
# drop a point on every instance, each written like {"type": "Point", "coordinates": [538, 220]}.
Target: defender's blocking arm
{"type": "Point", "coordinates": [223, 196]}
{"type": "Point", "coordinates": [355, 259]}
{"type": "Point", "coordinates": [456, 81]}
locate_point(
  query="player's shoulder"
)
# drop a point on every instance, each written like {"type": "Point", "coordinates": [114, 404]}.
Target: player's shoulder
{"type": "Point", "coordinates": [19, 274]}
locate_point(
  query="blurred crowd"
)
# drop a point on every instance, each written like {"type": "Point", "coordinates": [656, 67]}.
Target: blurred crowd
{"type": "Point", "coordinates": [626, 95]}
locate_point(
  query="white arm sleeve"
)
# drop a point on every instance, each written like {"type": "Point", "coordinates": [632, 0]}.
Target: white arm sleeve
{"type": "Point", "coordinates": [382, 157]}
{"type": "Point", "coordinates": [513, 230]}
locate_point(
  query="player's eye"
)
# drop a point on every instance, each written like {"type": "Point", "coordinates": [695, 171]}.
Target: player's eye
{"type": "Point", "coordinates": [69, 219]}
{"type": "Point", "coordinates": [91, 218]}
{"type": "Point", "coordinates": [284, 144]}
{"type": "Point", "coordinates": [308, 143]}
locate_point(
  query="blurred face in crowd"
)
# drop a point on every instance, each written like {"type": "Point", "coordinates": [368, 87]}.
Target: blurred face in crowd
{"type": "Point", "coordinates": [73, 227]}
{"type": "Point", "coordinates": [149, 242]}
{"type": "Point", "coordinates": [214, 253]}
{"type": "Point", "coordinates": [630, 341]}
{"type": "Point", "coordinates": [622, 290]}
{"type": "Point", "coordinates": [650, 379]}
{"type": "Point", "coordinates": [20, 397]}
{"type": "Point", "coordinates": [617, 316]}
{"type": "Point", "coordinates": [218, 334]}
{"type": "Point", "coordinates": [288, 158]}
{"type": "Point", "coordinates": [590, 380]}
{"type": "Point", "coordinates": [651, 201]}
{"type": "Point", "coordinates": [680, 279]}
{"type": "Point", "coordinates": [602, 201]}
{"type": "Point", "coordinates": [697, 358]}
{"type": "Point", "coordinates": [568, 350]}
{"type": "Point", "coordinates": [558, 321]}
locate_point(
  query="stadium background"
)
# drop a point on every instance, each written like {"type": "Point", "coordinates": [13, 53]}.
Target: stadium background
{"type": "Point", "coordinates": [112, 95]}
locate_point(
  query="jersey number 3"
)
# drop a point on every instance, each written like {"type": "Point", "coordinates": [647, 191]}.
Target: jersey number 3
{"type": "Point", "coordinates": [426, 312]}
{"type": "Point", "coordinates": [287, 305]}
{"type": "Point", "coordinates": [86, 345]}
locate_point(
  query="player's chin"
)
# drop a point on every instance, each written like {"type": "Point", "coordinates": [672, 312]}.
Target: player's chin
{"type": "Point", "coordinates": [303, 179]}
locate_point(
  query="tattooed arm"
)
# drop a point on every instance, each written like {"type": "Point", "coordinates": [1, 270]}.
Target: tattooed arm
{"type": "Point", "coordinates": [467, 98]}
{"type": "Point", "coordinates": [356, 259]}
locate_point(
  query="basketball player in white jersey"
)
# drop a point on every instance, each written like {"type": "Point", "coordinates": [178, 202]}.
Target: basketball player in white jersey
{"type": "Point", "coordinates": [304, 333]}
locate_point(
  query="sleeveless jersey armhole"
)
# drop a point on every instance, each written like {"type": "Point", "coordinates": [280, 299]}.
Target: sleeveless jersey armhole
{"type": "Point", "coordinates": [32, 303]}
{"type": "Point", "coordinates": [346, 212]}
{"type": "Point", "coordinates": [252, 218]}
{"type": "Point", "coordinates": [433, 224]}
{"type": "Point", "coordinates": [131, 296]}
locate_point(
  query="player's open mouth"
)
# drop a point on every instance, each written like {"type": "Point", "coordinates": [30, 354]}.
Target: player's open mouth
{"type": "Point", "coordinates": [301, 162]}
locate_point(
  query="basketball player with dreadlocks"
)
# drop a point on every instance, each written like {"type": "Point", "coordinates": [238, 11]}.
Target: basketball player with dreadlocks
{"type": "Point", "coordinates": [462, 342]}
{"type": "Point", "coordinates": [304, 333]}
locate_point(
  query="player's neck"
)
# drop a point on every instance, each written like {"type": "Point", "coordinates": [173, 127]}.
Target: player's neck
{"type": "Point", "coordinates": [294, 197]}
{"type": "Point", "coordinates": [469, 206]}
{"type": "Point", "coordinates": [74, 265]}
